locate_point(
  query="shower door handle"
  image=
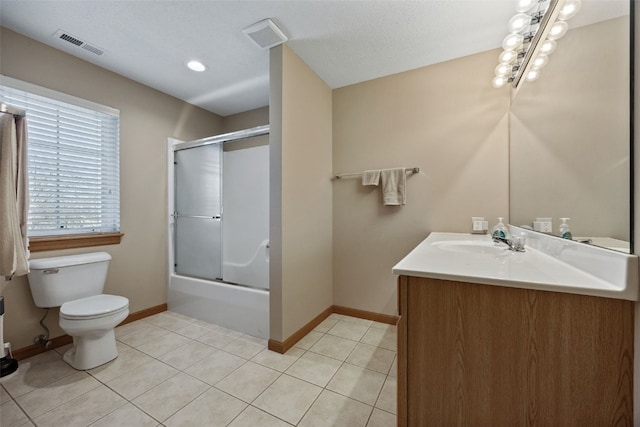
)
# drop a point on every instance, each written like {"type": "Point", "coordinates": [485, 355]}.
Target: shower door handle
{"type": "Point", "coordinates": [196, 216]}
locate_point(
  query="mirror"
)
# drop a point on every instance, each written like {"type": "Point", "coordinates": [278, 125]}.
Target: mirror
{"type": "Point", "coordinates": [570, 132]}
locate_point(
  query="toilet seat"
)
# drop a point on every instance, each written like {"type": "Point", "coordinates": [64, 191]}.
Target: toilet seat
{"type": "Point", "coordinates": [94, 307]}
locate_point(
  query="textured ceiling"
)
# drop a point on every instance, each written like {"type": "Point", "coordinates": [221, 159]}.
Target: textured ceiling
{"type": "Point", "coordinates": [343, 41]}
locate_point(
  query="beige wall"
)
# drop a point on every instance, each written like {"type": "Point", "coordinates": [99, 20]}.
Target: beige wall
{"type": "Point", "coordinates": [147, 119]}
{"type": "Point", "coordinates": [246, 120]}
{"type": "Point", "coordinates": [446, 119]}
{"type": "Point", "coordinates": [301, 201]}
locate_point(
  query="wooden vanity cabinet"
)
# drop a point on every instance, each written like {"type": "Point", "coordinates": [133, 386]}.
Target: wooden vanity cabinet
{"type": "Point", "coordinates": [479, 355]}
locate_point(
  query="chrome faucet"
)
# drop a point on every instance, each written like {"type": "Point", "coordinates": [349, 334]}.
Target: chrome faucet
{"type": "Point", "coordinates": [516, 244]}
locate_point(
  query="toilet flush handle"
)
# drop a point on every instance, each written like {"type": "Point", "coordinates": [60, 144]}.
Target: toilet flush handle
{"type": "Point", "coordinates": [51, 271]}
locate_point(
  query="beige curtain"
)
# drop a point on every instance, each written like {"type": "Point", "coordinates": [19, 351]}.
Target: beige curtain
{"type": "Point", "coordinates": [14, 196]}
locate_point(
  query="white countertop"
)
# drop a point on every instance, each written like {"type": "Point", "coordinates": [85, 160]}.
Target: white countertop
{"type": "Point", "coordinates": [548, 264]}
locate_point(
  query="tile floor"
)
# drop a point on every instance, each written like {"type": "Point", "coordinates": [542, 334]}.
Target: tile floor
{"type": "Point", "coordinates": [177, 371]}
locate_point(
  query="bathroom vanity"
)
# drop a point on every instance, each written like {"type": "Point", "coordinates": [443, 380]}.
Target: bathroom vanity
{"type": "Point", "coordinates": [491, 337]}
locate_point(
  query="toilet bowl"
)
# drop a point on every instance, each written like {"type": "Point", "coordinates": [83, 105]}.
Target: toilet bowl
{"type": "Point", "coordinates": [91, 321]}
{"type": "Point", "coordinates": [75, 284]}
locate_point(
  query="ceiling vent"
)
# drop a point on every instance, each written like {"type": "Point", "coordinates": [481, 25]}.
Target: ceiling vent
{"type": "Point", "coordinates": [64, 35]}
{"type": "Point", "coordinates": [265, 34]}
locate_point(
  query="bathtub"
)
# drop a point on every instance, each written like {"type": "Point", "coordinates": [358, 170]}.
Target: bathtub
{"type": "Point", "coordinates": [234, 307]}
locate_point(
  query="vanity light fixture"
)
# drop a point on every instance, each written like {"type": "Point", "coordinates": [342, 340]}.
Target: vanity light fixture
{"type": "Point", "coordinates": [196, 66]}
{"type": "Point", "coordinates": [533, 32]}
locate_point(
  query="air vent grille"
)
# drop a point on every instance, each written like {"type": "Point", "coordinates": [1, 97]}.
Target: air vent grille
{"type": "Point", "coordinates": [64, 35]}
{"type": "Point", "coordinates": [72, 40]}
{"type": "Point", "coordinates": [265, 34]}
{"type": "Point", "coordinates": [92, 49]}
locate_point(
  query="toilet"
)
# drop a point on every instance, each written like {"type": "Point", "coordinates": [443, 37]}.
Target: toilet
{"type": "Point", "coordinates": [75, 284]}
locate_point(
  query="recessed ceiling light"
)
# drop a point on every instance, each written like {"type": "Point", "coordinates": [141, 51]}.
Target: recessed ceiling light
{"type": "Point", "coordinates": [196, 66]}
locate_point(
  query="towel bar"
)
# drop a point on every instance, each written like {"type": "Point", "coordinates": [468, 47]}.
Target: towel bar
{"type": "Point", "coordinates": [350, 175]}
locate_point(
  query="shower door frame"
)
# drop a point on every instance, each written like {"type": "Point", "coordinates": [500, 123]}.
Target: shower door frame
{"type": "Point", "coordinates": [178, 145]}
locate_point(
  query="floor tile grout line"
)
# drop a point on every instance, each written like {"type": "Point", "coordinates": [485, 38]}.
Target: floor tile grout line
{"type": "Point", "coordinates": [351, 352]}
{"type": "Point", "coordinates": [106, 415]}
{"type": "Point", "coordinates": [380, 392]}
{"type": "Point", "coordinates": [255, 398]}
{"type": "Point", "coordinates": [67, 401]}
{"type": "Point", "coordinates": [22, 409]}
{"type": "Point", "coordinates": [273, 415]}
{"type": "Point", "coordinates": [173, 413]}
{"type": "Point", "coordinates": [370, 415]}
{"type": "Point", "coordinates": [310, 406]}
{"type": "Point", "coordinates": [26, 413]}
{"type": "Point", "coordinates": [131, 401]}
{"type": "Point", "coordinates": [384, 410]}
{"type": "Point", "coordinates": [43, 385]}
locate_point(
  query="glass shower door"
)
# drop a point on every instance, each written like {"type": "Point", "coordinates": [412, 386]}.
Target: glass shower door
{"type": "Point", "coordinates": [198, 212]}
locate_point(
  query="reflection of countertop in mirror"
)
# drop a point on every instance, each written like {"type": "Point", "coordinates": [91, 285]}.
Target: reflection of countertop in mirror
{"type": "Point", "coordinates": [548, 264]}
{"type": "Point", "coordinates": [607, 242]}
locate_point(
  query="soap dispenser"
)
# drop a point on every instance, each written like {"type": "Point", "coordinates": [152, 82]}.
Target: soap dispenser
{"type": "Point", "coordinates": [565, 233]}
{"type": "Point", "coordinates": [500, 230]}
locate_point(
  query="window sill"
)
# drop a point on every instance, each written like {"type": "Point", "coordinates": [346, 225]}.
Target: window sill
{"type": "Point", "coordinates": [51, 243]}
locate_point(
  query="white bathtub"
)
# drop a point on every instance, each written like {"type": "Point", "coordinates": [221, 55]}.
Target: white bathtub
{"type": "Point", "coordinates": [235, 307]}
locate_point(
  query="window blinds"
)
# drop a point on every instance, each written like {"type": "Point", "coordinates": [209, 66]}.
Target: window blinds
{"type": "Point", "coordinates": [73, 164]}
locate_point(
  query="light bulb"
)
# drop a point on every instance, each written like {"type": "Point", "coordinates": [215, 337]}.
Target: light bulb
{"type": "Point", "coordinates": [196, 66]}
{"type": "Point", "coordinates": [503, 69]}
{"type": "Point", "coordinates": [547, 47]}
{"type": "Point", "coordinates": [507, 56]}
{"type": "Point", "coordinates": [558, 30]}
{"type": "Point", "coordinates": [570, 9]}
{"type": "Point", "coordinates": [512, 41]}
{"type": "Point", "coordinates": [533, 75]}
{"type": "Point", "coordinates": [499, 81]}
{"type": "Point", "coordinates": [525, 5]}
{"type": "Point", "coordinates": [539, 62]}
{"type": "Point", "coordinates": [519, 23]}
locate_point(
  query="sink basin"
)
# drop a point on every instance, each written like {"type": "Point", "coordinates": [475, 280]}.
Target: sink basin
{"type": "Point", "coordinates": [472, 247]}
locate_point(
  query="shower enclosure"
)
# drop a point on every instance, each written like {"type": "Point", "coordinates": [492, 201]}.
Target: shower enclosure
{"type": "Point", "coordinates": [219, 228]}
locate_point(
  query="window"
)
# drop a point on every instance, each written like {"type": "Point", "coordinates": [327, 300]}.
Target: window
{"type": "Point", "coordinates": [73, 161]}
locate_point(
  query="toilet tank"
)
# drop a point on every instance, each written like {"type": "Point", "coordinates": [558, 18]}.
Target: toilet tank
{"type": "Point", "coordinates": [54, 281]}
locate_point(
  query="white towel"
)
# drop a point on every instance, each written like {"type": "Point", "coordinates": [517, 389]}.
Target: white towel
{"type": "Point", "coordinates": [371, 177]}
{"type": "Point", "coordinates": [14, 198]}
{"type": "Point", "coordinates": [393, 186]}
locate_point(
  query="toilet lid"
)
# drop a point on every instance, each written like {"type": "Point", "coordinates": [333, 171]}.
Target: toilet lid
{"type": "Point", "coordinates": [95, 306]}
